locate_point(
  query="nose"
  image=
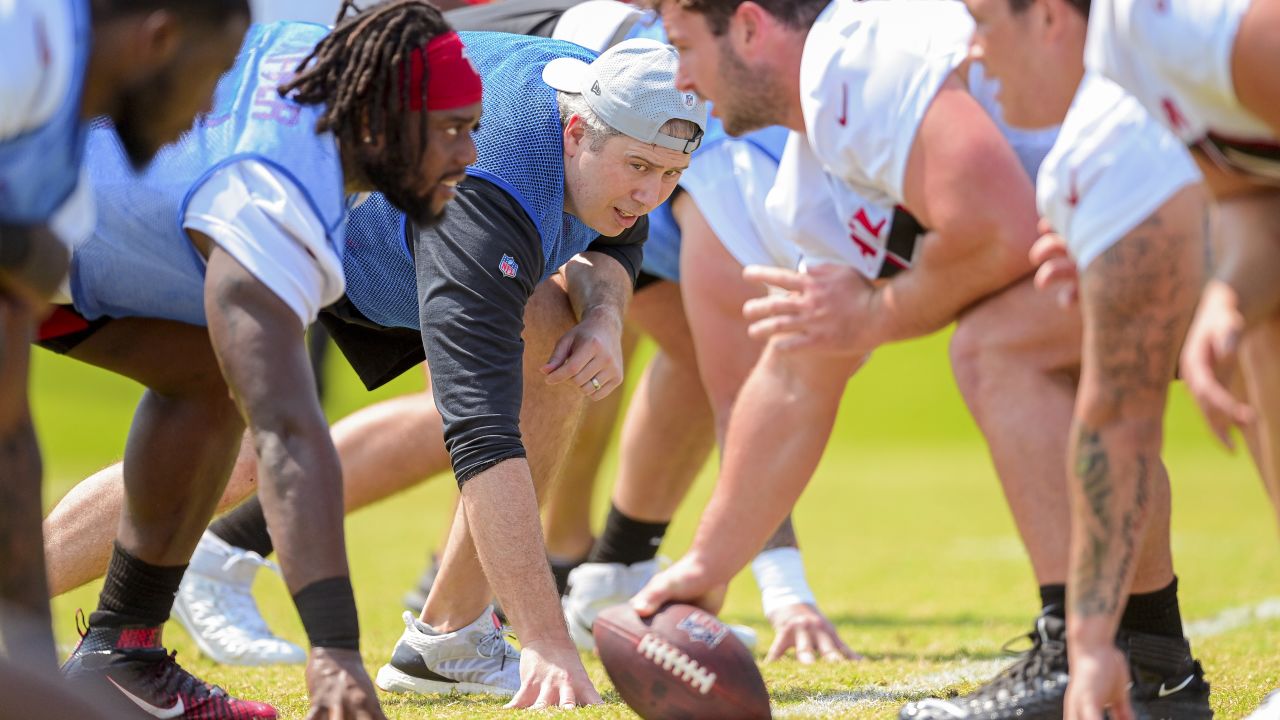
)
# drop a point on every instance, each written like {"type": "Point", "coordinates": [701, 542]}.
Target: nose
{"type": "Point", "coordinates": [649, 193]}
{"type": "Point", "coordinates": [467, 155]}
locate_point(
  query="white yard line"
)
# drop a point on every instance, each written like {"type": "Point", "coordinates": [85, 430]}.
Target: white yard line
{"type": "Point", "coordinates": [841, 704]}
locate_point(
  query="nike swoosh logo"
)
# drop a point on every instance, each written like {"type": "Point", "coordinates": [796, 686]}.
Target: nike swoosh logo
{"type": "Point", "coordinates": [1165, 692]}
{"type": "Point", "coordinates": [162, 713]}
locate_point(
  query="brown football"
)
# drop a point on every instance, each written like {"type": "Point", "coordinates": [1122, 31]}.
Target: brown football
{"type": "Point", "coordinates": [680, 664]}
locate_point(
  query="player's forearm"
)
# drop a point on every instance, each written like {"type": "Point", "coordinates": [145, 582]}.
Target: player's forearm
{"type": "Point", "coordinates": [941, 285]}
{"type": "Point", "coordinates": [25, 623]}
{"type": "Point", "coordinates": [502, 513]}
{"type": "Point", "coordinates": [261, 351]}
{"type": "Point", "coordinates": [764, 471]}
{"type": "Point", "coordinates": [598, 285]}
{"type": "Point", "coordinates": [1111, 479]}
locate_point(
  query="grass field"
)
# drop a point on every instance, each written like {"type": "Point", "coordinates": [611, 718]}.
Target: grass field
{"type": "Point", "coordinates": [908, 543]}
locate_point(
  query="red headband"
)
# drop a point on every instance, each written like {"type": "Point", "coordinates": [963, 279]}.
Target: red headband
{"type": "Point", "coordinates": [453, 80]}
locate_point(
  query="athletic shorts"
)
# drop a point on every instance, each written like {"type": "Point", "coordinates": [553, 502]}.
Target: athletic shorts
{"type": "Point", "coordinates": [65, 328]}
{"type": "Point", "coordinates": [1112, 167]}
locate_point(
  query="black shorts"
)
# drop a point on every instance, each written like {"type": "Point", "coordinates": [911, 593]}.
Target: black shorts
{"type": "Point", "coordinates": [63, 330]}
{"type": "Point", "coordinates": [377, 354]}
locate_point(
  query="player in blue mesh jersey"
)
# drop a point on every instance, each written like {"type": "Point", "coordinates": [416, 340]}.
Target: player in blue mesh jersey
{"type": "Point", "coordinates": [63, 62]}
{"type": "Point", "coordinates": [251, 205]}
{"type": "Point", "coordinates": [561, 180]}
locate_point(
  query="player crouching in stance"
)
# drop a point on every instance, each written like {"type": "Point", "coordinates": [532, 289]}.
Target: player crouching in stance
{"type": "Point", "coordinates": [66, 61]}
{"type": "Point", "coordinates": [556, 183]}
{"type": "Point", "coordinates": [1127, 206]}
{"type": "Point", "coordinates": [260, 187]}
{"type": "Point", "coordinates": [1011, 347]}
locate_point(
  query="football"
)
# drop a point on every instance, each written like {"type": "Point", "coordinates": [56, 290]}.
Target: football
{"type": "Point", "coordinates": [680, 664]}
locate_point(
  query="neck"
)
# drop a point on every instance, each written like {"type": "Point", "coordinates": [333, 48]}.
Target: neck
{"type": "Point", "coordinates": [102, 78]}
{"type": "Point", "coordinates": [789, 61]}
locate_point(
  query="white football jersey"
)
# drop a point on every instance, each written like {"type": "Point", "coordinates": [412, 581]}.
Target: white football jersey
{"type": "Point", "coordinates": [1112, 167]}
{"type": "Point", "coordinates": [867, 75]}
{"type": "Point", "coordinates": [829, 222]}
{"type": "Point", "coordinates": [1174, 56]}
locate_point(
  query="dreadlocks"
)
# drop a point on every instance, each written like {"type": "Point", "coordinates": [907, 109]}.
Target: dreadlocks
{"type": "Point", "coordinates": [358, 73]}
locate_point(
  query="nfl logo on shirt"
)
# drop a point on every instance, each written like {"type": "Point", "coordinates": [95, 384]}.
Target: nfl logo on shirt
{"type": "Point", "coordinates": [508, 266]}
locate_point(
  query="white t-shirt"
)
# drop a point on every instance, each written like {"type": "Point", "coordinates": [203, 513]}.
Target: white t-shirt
{"type": "Point", "coordinates": [264, 221]}
{"type": "Point", "coordinates": [37, 53]}
{"type": "Point", "coordinates": [1112, 167]}
{"type": "Point", "coordinates": [868, 73]}
{"type": "Point", "coordinates": [1174, 56]}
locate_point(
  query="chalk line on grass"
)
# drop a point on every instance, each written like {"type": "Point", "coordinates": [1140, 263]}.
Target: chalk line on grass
{"type": "Point", "coordinates": [840, 704]}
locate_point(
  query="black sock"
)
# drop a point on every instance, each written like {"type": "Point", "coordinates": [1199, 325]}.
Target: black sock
{"type": "Point", "coordinates": [1053, 601]}
{"type": "Point", "coordinates": [1155, 613]}
{"type": "Point", "coordinates": [627, 541]}
{"type": "Point", "coordinates": [245, 527]}
{"type": "Point", "coordinates": [561, 567]}
{"type": "Point", "coordinates": [136, 592]}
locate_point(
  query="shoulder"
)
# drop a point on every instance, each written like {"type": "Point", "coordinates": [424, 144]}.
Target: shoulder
{"type": "Point", "coordinates": [38, 51]}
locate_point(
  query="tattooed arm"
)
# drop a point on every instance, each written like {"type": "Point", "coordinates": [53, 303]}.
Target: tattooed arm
{"type": "Point", "coordinates": [1137, 299]}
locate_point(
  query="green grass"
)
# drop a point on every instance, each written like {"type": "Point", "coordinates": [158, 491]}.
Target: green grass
{"type": "Point", "coordinates": [908, 543]}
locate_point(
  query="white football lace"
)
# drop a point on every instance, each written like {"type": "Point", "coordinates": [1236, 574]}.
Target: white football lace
{"type": "Point", "coordinates": [678, 663]}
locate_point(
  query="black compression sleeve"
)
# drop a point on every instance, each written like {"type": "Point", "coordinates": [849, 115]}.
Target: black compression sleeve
{"type": "Point", "coordinates": [472, 315]}
{"type": "Point", "coordinates": [627, 248]}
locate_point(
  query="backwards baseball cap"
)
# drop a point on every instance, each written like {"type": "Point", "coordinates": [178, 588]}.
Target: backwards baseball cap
{"type": "Point", "coordinates": [632, 87]}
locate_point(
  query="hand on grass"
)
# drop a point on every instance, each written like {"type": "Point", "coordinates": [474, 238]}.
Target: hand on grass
{"type": "Point", "coordinates": [339, 687]}
{"type": "Point", "coordinates": [1099, 686]}
{"type": "Point", "coordinates": [803, 627]}
{"type": "Point", "coordinates": [553, 677]}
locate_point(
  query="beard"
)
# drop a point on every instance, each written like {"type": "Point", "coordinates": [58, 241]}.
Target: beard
{"type": "Point", "coordinates": [756, 98]}
{"type": "Point", "coordinates": [399, 185]}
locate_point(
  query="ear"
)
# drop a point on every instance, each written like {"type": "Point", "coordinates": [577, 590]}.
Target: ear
{"type": "Point", "coordinates": [749, 29]}
{"type": "Point", "coordinates": [157, 37]}
{"type": "Point", "coordinates": [575, 135]}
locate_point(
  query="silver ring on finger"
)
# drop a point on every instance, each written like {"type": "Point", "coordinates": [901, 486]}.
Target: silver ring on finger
{"type": "Point", "coordinates": [595, 383]}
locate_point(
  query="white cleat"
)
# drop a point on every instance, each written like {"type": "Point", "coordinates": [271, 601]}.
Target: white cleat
{"type": "Point", "coordinates": [1269, 709]}
{"type": "Point", "coordinates": [472, 660]}
{"type": "Point", "coordinates": [596, 586]}
{"type": "Point", "coordinates": [215, 605]}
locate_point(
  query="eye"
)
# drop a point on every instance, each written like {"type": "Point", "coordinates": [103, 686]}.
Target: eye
{"type": "Point", "coordinates": [673, 172]}
{"type": "Point", "coordinates": [639, 167]}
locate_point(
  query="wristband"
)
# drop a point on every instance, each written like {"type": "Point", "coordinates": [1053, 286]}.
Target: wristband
{"type": "Point", "coordinates": [780, 574]}
{"type": "Point", "coordinates": [328, 611]}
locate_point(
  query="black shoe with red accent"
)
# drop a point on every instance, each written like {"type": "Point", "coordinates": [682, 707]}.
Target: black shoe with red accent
{"type": "Point", "coordinates": [133, 661]}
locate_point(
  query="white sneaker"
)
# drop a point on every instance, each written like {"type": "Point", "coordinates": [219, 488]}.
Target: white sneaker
{"type": "Point", "coordinates": [1269, 709]}
{"type": "Point", "coordinates": [215, 605]}
{"type": "Point", "coordinates": [596, 586]}
{"type": "Point", "coordinates": [473, 659]}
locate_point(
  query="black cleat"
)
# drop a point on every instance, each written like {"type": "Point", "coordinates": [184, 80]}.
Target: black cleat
{"type": "Point", "coordinates": [1032, 688]}
{"type": "Point", "coordinates": [132, 661]}
{"type": "Point", "coordinates": [1168, 684]}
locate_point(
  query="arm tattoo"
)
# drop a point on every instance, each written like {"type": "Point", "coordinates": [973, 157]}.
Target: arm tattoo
{"type": "Point", "coordinates": [1138, 298]}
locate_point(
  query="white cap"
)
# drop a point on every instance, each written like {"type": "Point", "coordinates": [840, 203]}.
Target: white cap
{"type": "Point", "coordinates": [632, 87]}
